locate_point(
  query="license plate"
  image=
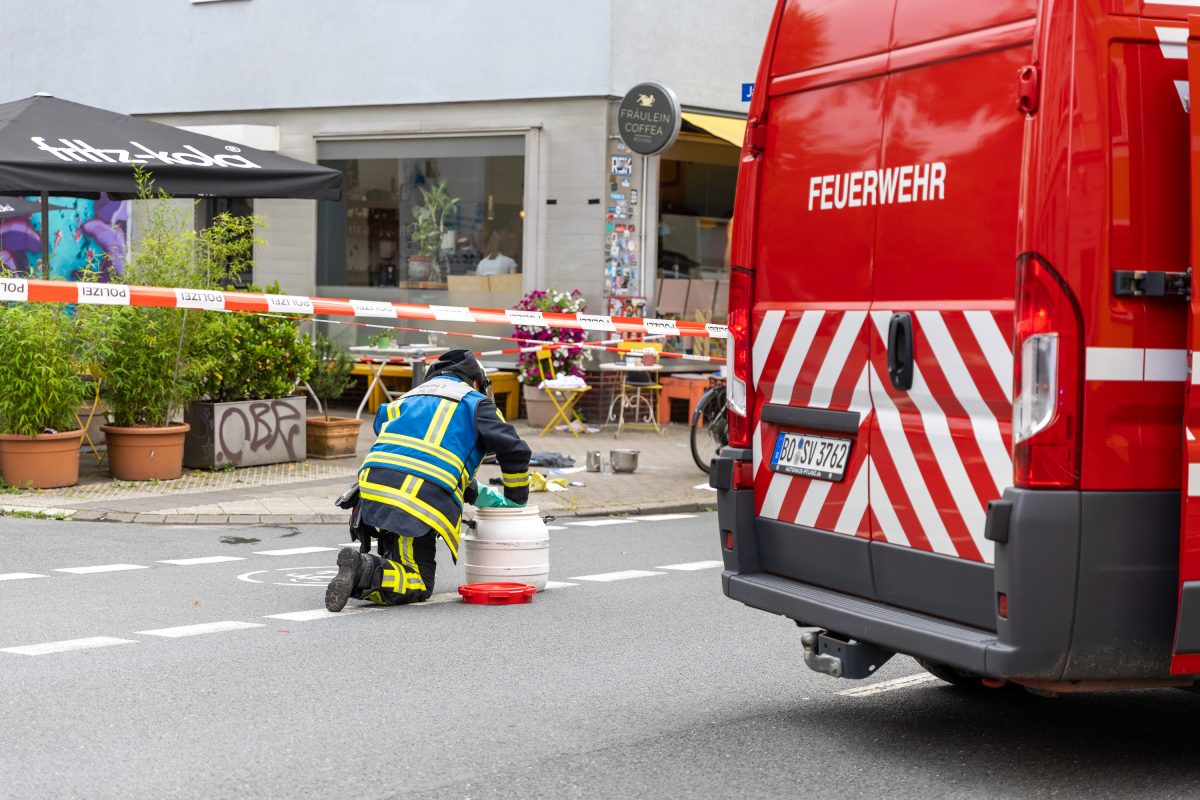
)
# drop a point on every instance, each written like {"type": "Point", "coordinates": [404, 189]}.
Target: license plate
{"type": "Point", "coordinates": [811, 456]}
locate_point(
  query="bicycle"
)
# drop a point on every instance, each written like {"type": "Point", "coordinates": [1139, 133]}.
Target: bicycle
{"type": "Point", "coordinates": [710, 425]}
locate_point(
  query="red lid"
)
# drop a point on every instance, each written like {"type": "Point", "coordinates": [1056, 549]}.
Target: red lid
{"type": "Point", "coordinates": [497, 594]}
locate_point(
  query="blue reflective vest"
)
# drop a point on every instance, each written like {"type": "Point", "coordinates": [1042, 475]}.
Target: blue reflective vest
{"type": "Point", "coordinates": [431, 433]}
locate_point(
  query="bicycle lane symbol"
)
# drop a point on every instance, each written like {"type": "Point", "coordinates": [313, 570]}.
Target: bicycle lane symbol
{"type": "Point", "coordinates": [292, 576]}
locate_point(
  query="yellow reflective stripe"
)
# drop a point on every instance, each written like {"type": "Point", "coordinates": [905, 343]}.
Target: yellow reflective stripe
{"type": "Point", "coordinates": [413, 505]}
{"type": "Point", "coordinates": [374, 598]}
{"type": "Point", "coordinates": [437, 430]}
{"type": "Point", "coordinates": [393, 410]}
{"type": "Point", "coordinates": [391, 576]}
{"type": "Point", "coordinates": [501, 416]}
{"type": "Point", "coordinates": [441, 418]}
{"type": "Point", "coordinates": [423, 446]}
{"type": "Point", "coordinates": [414, 465]}
{"type": "Point", "coordinates": [407, 482]}
{"type": "Point", "coordinates": [409, 507]}
{"type": "Point", "coordinates": [515, 479]}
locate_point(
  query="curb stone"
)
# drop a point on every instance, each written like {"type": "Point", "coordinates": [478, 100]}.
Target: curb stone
{"type": "Point", "coordinates": [325, 519]}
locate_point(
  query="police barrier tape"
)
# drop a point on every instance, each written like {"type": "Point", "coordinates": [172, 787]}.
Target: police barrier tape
{"type": "Point", "coordinates": [531, 345]}
{"type": "Point", "coordinates": [117, 294]}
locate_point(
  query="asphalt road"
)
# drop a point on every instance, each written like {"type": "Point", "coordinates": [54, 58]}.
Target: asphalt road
{"type": "Point", "coordinates": [646, 686]}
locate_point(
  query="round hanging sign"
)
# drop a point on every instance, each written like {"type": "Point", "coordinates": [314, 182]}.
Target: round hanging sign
{"type": "Point", "coordinates": [649, 118]}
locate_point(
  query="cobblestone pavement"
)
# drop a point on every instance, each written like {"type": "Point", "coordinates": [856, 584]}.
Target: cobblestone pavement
{"type": "Point", "coordinates": [666, 480]}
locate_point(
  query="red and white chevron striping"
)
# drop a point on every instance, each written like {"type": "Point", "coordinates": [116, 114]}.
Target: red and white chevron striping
{"type": "Point", "coordinates": [926, 461]}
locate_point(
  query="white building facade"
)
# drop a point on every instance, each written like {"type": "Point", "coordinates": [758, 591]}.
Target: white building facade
{"type": "Point", "coordinates": [511, 104]}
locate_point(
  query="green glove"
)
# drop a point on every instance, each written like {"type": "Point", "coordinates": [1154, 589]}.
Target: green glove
{"type": "Point", "coordinates": [490, 498]}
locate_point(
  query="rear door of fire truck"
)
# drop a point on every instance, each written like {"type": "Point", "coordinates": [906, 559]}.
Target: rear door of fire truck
{"type": "Point", "coordinates": [941, 324]}
{"type": "Point", "coordinates": [812, 291]}
{"type": "Point", "coordinates": [1186, 659]}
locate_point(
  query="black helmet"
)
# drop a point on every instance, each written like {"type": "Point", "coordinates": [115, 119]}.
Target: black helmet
{"type": "Point", "coordinates": [461, 364]}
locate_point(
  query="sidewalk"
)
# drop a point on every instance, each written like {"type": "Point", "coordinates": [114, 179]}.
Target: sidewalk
{"type": "Point", "coordinates": [303, 493]}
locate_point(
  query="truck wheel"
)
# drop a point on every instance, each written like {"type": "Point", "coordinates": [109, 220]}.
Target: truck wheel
{"type": "Point", "coordinates": [950, 675]}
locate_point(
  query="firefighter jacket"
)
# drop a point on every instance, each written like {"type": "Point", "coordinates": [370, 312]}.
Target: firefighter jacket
{"type": "Point", "coordinates": [429, 445]}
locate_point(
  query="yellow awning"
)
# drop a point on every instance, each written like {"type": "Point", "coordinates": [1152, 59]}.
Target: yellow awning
{"type": "Point", "coordinates": [730, 129]}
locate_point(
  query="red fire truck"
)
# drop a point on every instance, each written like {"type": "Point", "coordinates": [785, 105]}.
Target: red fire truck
{"type": "Point", "coordinates": [962, 317]}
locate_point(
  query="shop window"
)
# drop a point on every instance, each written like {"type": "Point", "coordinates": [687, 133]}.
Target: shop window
{"type": "Point", "coordinates": [695, 205]}
{"type": "Point", "coordinates": [379, 235]}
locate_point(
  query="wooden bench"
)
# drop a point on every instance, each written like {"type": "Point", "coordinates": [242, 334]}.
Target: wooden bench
{"type": "Point", "coordinates": [504, 386]}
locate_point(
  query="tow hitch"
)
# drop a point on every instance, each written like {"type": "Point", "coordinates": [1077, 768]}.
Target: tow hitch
{"type": "Point", "coordinates": [826, 652]}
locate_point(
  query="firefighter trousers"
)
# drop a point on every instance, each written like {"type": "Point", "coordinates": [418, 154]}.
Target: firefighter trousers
{"type": "Point", "coordinates": [403, 569]}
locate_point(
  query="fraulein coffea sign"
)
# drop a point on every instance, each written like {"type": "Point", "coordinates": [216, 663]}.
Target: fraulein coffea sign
{"type": "Point", "coordinates": [649, 118]}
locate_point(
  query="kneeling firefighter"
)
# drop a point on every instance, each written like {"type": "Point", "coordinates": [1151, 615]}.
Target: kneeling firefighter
{"type": "Point", "coordinates": [414, 481]}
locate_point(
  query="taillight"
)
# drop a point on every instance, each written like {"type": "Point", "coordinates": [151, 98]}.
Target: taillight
{"type": "Point", "coordinates": [739, 389]}
{"type": "Point", "coordinates": [1047, 406]}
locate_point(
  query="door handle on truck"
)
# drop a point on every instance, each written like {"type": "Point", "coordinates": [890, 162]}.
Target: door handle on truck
{"type": "Point", "coordinates": [900, 350]}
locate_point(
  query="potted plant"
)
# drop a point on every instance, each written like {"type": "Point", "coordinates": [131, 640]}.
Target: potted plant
{"type": "Point", "coordinates": [567, 360]}
{"type": "Point", "coordinates": [152, 361]}
{"type": "Point", "coordinates": [428, 229]}
{"type": "Point", "coordinates": [248, 412]}
{"type": "Point", "coordinates": [40, 388]}
{"type": "Point", "coordinates": [329, 436]}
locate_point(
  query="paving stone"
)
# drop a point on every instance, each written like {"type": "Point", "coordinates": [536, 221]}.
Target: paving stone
{"type": "Point", "coordinates": [242, 519]}
{"type": "Point", "coordinates": [335, 519]}
{"type": "Point", "coordinates": [276, 519]}
{"type": "Point", "coordinates": [180, 519]}
{"type": "Point", "coordinates": [118, 516]}
{"type": "Point", "coordinates": [211, 519]}
{"type": "Point", "coordinates": [150, 518]}
{"type": "Point", "coordinates": [89, 515]}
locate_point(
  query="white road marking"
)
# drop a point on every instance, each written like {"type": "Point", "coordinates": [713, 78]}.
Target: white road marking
{"type": "Point", "coordinates": [18, 576]}
{"type": "Point", "coordinates": [196, 630]}
{"type": "Point", "coordinates": [662, 517]}
{"type": "Point", "coordinates": [604, 577]}
{"type": "Point", "coordinates": [889, 686]}
{"type": "Point", "coordinates": [100, 568]}
{"type": "Point", "coordinates": [188, 562]}
{"type": "Point", "coordinates": [556, 527]}
{"type": "Point", "coordinates": [599, 523]}
{"type": "Point", "coordinates": [704, 487]}
{"type": "Point", "coordinates": [294, 551]}
{"type": "Point", "coordinates": [559, 584]}
{"type": "Point", "coordinates": [694, 565]}
{"type": "Point", "coordinates": [318, 613]}
{"type": "Point", "coordinates": [65, 646]}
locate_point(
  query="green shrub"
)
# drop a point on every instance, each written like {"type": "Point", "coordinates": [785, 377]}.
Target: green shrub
{"type": "Point", "coordinates": [331, 375]}
{"type": "Point", "coordinates": [40, 383]}
{"type": "Point", "coordinates": [154, 361]}
{"type": "Point", "coordinates": [249, 357]}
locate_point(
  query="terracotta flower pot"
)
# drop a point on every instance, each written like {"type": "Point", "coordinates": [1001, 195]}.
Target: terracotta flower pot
{"type": "Point", "coordinates": [336, 437]}
{"type": "Point", "coordinates": [45, 461]}
{"type": "Point", "coordinates": [539, 409]}
{"type": "Point", "coordinates": [143, 454]}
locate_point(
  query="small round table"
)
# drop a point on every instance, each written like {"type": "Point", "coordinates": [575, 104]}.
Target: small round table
{"type": "Point", "coordinates": [645, 409]}
{"type": "Point", "coordinates": [378, 358]}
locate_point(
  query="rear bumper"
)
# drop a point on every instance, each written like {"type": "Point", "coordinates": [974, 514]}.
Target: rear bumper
{"type": "Point", "coordinates": [1090, 577]}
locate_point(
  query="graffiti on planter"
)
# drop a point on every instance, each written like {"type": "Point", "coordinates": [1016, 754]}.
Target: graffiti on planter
{"type": "Point", "coordinates": [258, 428]}
{"type": "Point", "coordinates": [244, 434]}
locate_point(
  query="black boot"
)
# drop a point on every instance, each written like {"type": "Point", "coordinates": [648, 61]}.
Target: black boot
{"type": "Point", "coordinates": [350, 569]}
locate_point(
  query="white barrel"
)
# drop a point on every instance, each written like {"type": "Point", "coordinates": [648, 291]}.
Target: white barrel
{"type": "Point", "coordinates": [509, 545]}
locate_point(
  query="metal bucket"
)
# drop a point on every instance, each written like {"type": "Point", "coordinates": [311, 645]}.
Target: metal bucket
{"type": "Point", "coordinates": [623, 460]}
